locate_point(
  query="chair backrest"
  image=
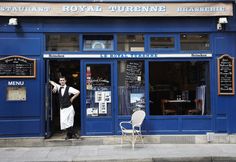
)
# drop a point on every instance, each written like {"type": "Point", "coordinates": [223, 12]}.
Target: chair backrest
{"type": "Point", "coordinates": [198, 103]}
{"type": "Point", "coordinates": [138, 117]}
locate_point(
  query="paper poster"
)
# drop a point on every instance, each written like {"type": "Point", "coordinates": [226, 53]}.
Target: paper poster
{"type": "Point", "coordinates": [92, 111]}
{"type": "Point", "coordinates": [16, 93]}
{"type": "Point", "coordinates": [137, 100]}
{"type": "Point", "coordinates": [107, 96]}
{"type": "Point", "coordinates": [102, 108]}
{"type": "Point", "coordinates": [88, 78]}
{"type": "Point", "coordinates": [99, 96]}
{"type": "Point", "coordinates": [102, 96]}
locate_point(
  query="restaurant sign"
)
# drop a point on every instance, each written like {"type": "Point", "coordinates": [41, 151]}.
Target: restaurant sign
{"type": "Point", "coordinates": [130, 56]}
{"type": "Point", "coordinates": [116, 9]}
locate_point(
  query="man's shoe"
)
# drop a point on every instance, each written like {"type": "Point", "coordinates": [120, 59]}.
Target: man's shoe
{"type": "Point", "coordinates": [75, 136]}
{"type": "Point", "coordinates": [67, 137]}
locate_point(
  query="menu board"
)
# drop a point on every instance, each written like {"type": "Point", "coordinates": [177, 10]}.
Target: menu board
{"type": "Point", "coordinates": [134, 72]}
{"type": "Point", "coordinates": [225, 75]}
{"type": "Point", "coordinates": [17, 67]}
{"type": "Point", "coordinates": [16, 93]}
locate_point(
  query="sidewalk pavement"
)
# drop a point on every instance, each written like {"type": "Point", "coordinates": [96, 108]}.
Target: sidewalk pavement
{"type": "Point", "coordinates": [105, 153]}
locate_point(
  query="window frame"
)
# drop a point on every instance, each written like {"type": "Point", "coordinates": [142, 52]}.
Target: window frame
{"type": "Point", "coordinates": [176, 44]}
{"type": "Point", "coordinates": [195, 51]}
{"type": "Point", "coordinates": [96, 50]}
{"type": "Point", "coordinates": [130, 33]}
{"type": "Point", "coordinates": [210, 97]}
{"type": "Point", "coordinates": [63, 33]}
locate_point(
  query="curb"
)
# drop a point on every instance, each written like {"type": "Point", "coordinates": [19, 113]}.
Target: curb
{"type": "Point", "coordinates": [195, 159]}
{"type": "Point", "coordinates": [158, 159]}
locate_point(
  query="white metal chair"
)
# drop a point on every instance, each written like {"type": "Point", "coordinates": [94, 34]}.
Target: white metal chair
{"type": "Point", "coordinates": [132, 129]}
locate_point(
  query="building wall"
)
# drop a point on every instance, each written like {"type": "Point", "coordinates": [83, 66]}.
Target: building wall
{"type": "Point", "coordinates": [27, 39]}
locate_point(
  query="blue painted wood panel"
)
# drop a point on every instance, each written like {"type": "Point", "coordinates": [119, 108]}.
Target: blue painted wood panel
{"type": "Point", "coordinates": [19, 46]}
{"type": "Point", "coordinates": [221, 124]}
{"type": "Point", "coordinates": [99, 127]}
{"type": "Point", "coordinates": [129, 24]}
{"type": "Point", "coordinates": [163, 125]}
{"type": "Point", "coordinates": [30, 107]}
{"type": "Point", "coordinates": [116, 24]}
{"type": "Point", "coordinates": [23, 118]}
{"type": "Point", "coordinates": [20, 127]}
{"type": "Point", "coordinates": [196, 124]}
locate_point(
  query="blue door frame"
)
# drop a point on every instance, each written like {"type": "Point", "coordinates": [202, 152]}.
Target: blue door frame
{"type": "Point", "coordinates": [101, 125]}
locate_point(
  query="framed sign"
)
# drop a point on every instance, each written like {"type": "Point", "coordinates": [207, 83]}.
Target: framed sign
{"type": "Point", "coordinates": [16, 93]}
{"type": "Point", "coordinates": [225, 65]}
{"type": "Point", "coordinates": [134, 72]}
{"type": "Point", "coordinates": [17, 67]}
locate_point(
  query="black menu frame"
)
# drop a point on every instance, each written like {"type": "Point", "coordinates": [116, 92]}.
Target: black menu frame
{"type": "Point", "coordinates": [17, 67]}
{"type": "Point", "coordinates": [225, 64]}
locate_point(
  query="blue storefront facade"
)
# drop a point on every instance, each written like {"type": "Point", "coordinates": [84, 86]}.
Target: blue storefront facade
{"type": "Point", "coordinates": [141, 56]}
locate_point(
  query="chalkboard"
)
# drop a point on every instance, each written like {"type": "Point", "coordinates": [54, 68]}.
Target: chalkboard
{"type": "Point", "coordinates": [225, 75]}
{"type": "Point", "coordinates": [134, 72]}
{"type": "Point", "coordinates": [17, 67]}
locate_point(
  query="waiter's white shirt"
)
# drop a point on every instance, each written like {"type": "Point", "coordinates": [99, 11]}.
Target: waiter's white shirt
{"type": "Point", "coordinates": [67, 114]}
{"type": "Point", "coordinates": [71, 89]}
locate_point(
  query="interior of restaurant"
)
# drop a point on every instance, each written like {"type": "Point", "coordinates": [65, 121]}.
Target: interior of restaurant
{"type": "Point", "coordinates": [179, 88]}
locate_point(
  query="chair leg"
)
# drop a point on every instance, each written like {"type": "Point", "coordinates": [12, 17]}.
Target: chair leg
{"type": "Point", "coordinates": [141, 138]}
{"type": "Point", "coordinates": [122, 139]}
{"type": "Point", "coordinates": [133, 140]}
{"type": "Point", "coordinates": [140, 135]}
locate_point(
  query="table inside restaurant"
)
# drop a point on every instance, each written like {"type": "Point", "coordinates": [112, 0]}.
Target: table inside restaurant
{"type": "Point", "coordinates": [180, 104]}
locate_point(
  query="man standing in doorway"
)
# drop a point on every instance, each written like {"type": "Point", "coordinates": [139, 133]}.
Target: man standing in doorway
{"type": "Point", "coordinates": [67, 112]}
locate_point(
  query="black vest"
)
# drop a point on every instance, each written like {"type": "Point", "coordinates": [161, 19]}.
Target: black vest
{"type": "Point", "coordinates": [65, 99]}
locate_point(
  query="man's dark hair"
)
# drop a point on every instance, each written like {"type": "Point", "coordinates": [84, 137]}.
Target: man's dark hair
{"type": "Point", "coordinates": [62, 77]}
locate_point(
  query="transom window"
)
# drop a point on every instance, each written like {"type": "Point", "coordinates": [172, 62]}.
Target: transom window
{"type": "Point", "coordinates": [162, 42]}
{"type": "Point", "coordinates": [62, 42]}
{"type": "Point", "coordinates": [194, 42]}
{"type": "Point", "coordinates": [98, 42]}
{"type": "Point", "coordinates": [130, 42]}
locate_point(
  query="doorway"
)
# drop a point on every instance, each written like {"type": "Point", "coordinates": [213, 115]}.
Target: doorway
{"type": "Point", "coordinates": [71, 70]}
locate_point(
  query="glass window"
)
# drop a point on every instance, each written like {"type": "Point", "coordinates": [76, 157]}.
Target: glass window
{"type": "Point", "coordinates": [131, 86]}
{"type": "Point", "coordinates": [162, 42]}
{"type": "Point", "coordinates": [62, 42]}
{"type": "Point", "coordinates": [194, 42]}
{"type": "Point", "coordinates": [179, 88]}
{"type": "Point", "coordinates": [98, 42]}
{"type": "Point", "coordinates": [130, 42]}
{"type": "Point", "coordinates": [98, 90]}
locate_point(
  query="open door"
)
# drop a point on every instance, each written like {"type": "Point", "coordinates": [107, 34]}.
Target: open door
{"type": "Point", "coordinates": [48, 103]}
{"type": "Point", "coordinates": [54, 69]}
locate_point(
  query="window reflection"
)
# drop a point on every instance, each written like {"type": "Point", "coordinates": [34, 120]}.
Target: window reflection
{"type": "Point", "coordinates": [130, 42]}
{"type": "Point", "coordinates": [98, 42]}
{"type": "Point", "coordinates": [194, 42]}
{"type": "Point", "coordinates": [162, 42]}
{"type": "Point", "coordinates": [62, 42]}
{"type": "Point", "coordinates": [98, 90]}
